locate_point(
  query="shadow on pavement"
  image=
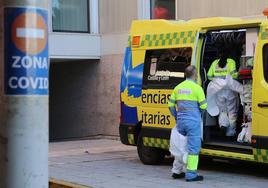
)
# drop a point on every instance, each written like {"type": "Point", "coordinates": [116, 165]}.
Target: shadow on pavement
{"type": "Point", "coordinates": [228, 166]}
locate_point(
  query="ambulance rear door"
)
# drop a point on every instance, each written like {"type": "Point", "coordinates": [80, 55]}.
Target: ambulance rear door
{"type": "Point", "coordinates": [260, 98]}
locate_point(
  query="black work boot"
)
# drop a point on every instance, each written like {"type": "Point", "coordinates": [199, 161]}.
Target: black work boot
{"type": "Point", "coordinates": [178, 176]}
{"type": "Point", "coordinates": [197, 178]}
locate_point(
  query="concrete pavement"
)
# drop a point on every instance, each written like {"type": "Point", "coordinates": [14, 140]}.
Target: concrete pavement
{"type": "Point", "coordinates": [104, 163]}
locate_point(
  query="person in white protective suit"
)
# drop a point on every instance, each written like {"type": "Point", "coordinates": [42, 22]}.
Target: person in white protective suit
{"type": "Point", "coordinates": [222, 94]}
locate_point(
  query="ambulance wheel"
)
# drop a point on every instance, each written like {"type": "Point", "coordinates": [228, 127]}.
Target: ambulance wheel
{"type": "Point", "coordinates": [149, 155]}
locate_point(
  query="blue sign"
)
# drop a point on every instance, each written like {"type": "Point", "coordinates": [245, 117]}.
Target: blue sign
{"type": "Point", "coordinates": [26, 51]}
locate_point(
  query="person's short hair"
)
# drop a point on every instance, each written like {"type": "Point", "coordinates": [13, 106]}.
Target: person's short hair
{"type": "Point", "coordinates": [190, 71]}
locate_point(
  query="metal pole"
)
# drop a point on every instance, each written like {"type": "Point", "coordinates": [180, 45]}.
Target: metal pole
{"type": "Point", "coordinates": [24, 94]}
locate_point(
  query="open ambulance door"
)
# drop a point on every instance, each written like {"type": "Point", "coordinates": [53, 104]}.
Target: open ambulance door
{"type": "Point", "coordinates": [214, 142]}
{"type": "Point", "coordinates": [260, 98]}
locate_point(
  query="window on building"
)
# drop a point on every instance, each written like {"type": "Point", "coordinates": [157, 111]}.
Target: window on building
{"type": "Point", "coordinates": [265, 62]}
{"type": "Point", "coordinates": [70, 15]}
{"type": "Point", "coordinates": [163, 9]}
{"type": "Point", "coordinates": [164, 68]}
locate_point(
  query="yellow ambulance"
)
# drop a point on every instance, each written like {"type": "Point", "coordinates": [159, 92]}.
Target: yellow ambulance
{"type": "Point", "coordinates": [157, 54]}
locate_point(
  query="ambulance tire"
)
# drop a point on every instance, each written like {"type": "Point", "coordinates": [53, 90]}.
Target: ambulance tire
{"type": "Point", "coordinates": [149, 155]}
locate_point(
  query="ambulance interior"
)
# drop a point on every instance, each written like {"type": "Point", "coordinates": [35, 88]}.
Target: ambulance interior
{"type": "Point", "coordinates": [240, 46]}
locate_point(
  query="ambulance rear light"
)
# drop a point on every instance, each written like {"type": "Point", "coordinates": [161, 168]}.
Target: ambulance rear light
{"type": "Point", "coordinates": [136, 41]}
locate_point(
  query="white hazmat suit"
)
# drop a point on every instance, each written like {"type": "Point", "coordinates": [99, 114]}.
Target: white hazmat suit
{"type": "Point", "coordinates": [178, 148]}
{"type": "Point", "coordinates": [222, 96]}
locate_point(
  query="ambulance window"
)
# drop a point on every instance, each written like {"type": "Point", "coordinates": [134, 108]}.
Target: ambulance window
{"type": "Point", "coordinates": [164, 68]}
{"type": "Point", "coordinates": [265, 62]}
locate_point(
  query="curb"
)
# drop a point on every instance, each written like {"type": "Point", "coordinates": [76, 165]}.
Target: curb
{"type": "Point", "coordinates": [54, 183]}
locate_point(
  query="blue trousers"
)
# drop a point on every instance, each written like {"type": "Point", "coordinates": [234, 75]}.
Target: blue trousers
{"type": "Point", "coordinates": [191, 128]}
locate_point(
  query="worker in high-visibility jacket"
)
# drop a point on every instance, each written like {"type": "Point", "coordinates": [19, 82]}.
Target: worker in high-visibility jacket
{"type": "Point", "coordinates": [226, 99]}
{"type": "Point", "coordinates": [186, 104]}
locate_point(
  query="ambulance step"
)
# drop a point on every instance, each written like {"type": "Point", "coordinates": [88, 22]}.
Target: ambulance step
{"type": "Point", "coordinates": [230, 146]}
